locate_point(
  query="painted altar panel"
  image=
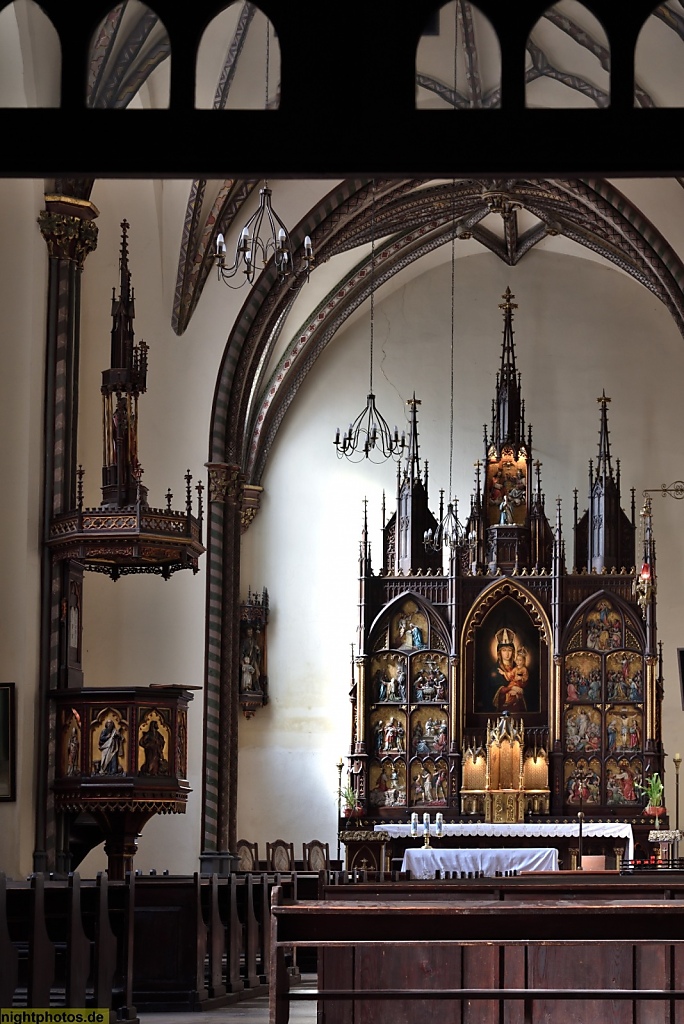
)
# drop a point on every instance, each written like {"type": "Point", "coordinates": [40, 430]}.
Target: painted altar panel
{"type": "Point", "coordinates": [387, 783]}
{"type": "Point", "coordinates": [507, 488]}
{"type": "Point", "coordinates": [603, 714]}
{"type": "Point", "coordinates": [623, 777]}
{"type": "Point", "coordinates": [388, 732]}
{"type": "Point", "coordinates": [507, 663]}
{"type": "Point", "coordinates": [583, 782]}
{"type": "Point", "coordinates": [409, 628]}
{"type": "Point", "coordinates": [388, 678]}
{"type": "Point", "coordinates": [429, 782]}
{"type": "Point", "coordinates": [429, 680]}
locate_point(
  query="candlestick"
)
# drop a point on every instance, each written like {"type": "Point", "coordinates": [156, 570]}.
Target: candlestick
{"type": "Point", "coordinates": [340, 765]}
{"type": "Point", "coordinates": [677, 759]}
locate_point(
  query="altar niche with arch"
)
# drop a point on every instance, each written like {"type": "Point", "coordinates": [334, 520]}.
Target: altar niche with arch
{"type": "Point", "coordinates": [505, 659]}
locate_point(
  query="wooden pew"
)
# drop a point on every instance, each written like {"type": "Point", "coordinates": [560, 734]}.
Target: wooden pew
{"type": "Point", "coordinates": [9, 957]}
{"type": "Point", "coordinates": [216, 942]}
{"type": "Point", "coordinates": [170, 942]}
{"type": "Point", "coordinates": [228, 910]}
{"type": "Point", "coordinates": [73, 948]}
{"type": "Point", "coordinates": [28, 933]}
{"type": "Point", "coordinates": [570, 885]}
{"type": "Point", "coordinates": [98, 925]}
{"type": "Point", "coordinates": [250, 931]}
{"type": "Point", "coordinates": [466, 961]}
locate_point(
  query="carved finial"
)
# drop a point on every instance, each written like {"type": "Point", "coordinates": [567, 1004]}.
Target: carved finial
{"type": "Point", "coordinates": [507, 304]}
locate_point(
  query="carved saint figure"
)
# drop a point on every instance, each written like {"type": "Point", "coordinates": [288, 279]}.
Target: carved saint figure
{"type": "Point", "coordinates": [110, 744]}
{"type": "Point", "coordinates": [250, 649]}
{"type": "Point", "coordinates": [153, 744]}
{"type": "Point", "coordinates": [247, 673]}
{"type": "Point", "coordinates": [505, 511]}
{"type": "Point", "coordinates": [73, 748]}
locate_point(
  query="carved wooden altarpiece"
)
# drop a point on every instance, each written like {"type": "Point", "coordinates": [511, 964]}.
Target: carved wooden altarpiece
{"type": "Point", "coordinates": [508, 644]}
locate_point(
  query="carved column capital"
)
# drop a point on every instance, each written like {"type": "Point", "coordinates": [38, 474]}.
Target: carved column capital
{"type": "Point", "coordinates": [250, 505]}
{"type": "Point", "coordinates": [67, 225]}
{"type": "Point", "coordinates": [225, 482]}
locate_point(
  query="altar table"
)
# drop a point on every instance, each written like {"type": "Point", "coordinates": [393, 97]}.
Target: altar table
{"type": "Point", "coordinates": [425, 863]}
{"type": "Point", "coordinates": [541, 830]}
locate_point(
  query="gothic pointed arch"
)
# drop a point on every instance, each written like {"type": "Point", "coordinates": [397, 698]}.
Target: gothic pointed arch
{"type": "Point", "coordinates": [389, 629]}
{"type": "Point", "coordinates": [506, 656]}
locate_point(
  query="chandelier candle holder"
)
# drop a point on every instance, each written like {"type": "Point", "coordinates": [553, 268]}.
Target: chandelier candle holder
{"type": "Point", "coordinates": [370, 436]}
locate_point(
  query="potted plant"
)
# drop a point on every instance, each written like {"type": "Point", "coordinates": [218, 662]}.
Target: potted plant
{"type": "Point", "coordinates": [654, 790]}
{"type": "Point", "coordinates": [349, 800]}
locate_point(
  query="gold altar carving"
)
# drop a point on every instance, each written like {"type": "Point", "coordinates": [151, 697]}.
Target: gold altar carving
{"type": "Point", "coordinates": [503, 780]}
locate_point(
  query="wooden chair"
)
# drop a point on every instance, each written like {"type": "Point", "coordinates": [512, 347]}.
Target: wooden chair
{"type": "Point", "coordinates": [316, 856]}
{"type": "Point", "coordinates": [280, 856]}
{"type": "Point", "coordinates": [248, 854]}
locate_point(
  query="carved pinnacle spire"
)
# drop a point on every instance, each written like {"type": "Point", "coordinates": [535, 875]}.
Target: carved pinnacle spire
{"type": "Point", "coordinates": [603, 464]}
{"type": "Point", "coordinates": [508, 409]}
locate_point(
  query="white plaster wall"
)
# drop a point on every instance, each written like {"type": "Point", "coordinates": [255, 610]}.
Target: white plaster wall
{"type": "Point", "coordinates": [23, 283]}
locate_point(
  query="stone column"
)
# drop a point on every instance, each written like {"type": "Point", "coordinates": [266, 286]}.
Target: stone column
{"type": "Point", "coordinates": [67, 225]}
{"type": "Point", "coordinates": [221, 714]}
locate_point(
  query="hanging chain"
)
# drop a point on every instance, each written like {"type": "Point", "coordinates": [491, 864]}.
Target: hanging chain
{"type": "Point", "coordinates": [372, 283]}
{"type": "Point", "coordinates": [453, 288]}
{"type": "Point", "coordinates": [268, 58]}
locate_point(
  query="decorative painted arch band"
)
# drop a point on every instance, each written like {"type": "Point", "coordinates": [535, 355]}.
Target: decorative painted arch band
{"type": "Point", "coordinates": [593, 214]}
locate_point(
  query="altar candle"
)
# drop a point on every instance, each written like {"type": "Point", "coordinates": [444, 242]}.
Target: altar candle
{"type": "Point", "coordinates": [426, 822]}
{"type": "Point", "coordinates": [439, 822]}
{"type": "Point", "coordinates": [414, 824]}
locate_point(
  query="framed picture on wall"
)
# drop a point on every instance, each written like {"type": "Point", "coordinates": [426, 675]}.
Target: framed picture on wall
{"type": "Point", "coordinates": [7, 742]}
{"type": "Point", "coordinates": [680, 662]}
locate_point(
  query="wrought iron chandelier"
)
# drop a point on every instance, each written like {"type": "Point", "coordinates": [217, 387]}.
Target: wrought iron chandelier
{"type": "Point", "coordinates": [369, 436]}
{"type": "Point", "coordinates": [450, 530]}
{"type": "Point", "coordinates": [263, 237]}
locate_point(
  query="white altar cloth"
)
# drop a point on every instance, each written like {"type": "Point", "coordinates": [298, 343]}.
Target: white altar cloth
{"type": "Point", "coordinates": [531, 830]}
{"type": "Point", "coordinates": [424, 863]}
